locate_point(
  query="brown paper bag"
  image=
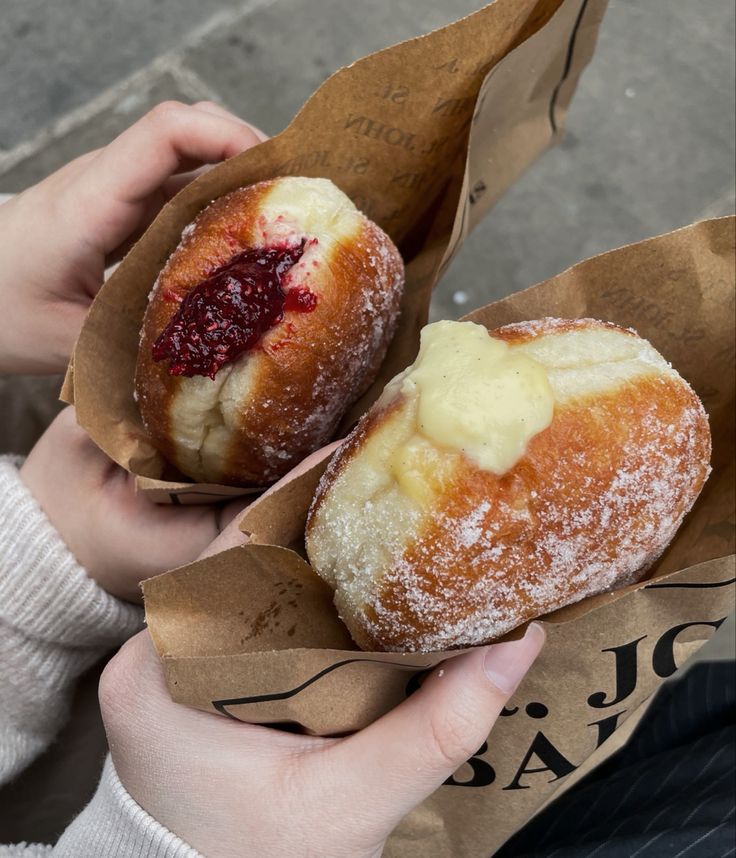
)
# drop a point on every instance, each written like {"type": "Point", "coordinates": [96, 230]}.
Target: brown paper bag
{"type": "Point", "coordinates": [252, 632]}
{"type": "Point", "coordinates": [393, 131]}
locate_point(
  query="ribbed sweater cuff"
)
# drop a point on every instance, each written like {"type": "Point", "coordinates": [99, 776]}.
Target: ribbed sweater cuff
{"type": "Point", "coordinates": [114, 824]}
{"type": "Point", "coordinates": [43, 590]}
{"type": "Point", "coordinates": [24, 850]}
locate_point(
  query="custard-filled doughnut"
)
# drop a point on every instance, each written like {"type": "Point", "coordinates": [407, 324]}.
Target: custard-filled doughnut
{"type": "Point", "coordinates": [271, 316]}
{"type": "Point", "coordinates": [504, 475]}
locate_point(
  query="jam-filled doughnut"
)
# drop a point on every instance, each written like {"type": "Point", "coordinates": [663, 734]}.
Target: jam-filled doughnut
{"type": "Point", "coordinates": [504, 475]}
{"type": "Point", "coordinates": [271, 316]}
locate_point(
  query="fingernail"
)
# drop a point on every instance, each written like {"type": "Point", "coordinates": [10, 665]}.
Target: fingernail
{"type": "Point", "coordinates": [506, 664]}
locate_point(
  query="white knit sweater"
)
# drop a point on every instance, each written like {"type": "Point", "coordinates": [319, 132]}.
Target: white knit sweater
{"type": "Point", "coordinates": [55, 622]}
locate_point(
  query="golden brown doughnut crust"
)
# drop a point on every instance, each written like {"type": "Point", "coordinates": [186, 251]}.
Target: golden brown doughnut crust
{"type": "Point", "coordinates": [308, 368]}
{"type": "Point", "coordinates": [592, 503]}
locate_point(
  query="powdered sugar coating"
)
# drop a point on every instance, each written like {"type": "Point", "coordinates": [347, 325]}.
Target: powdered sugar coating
{"type": "Point", "coordinates": [592, 504]}
{"type": "Point", "coordinates": [279, 401]}
{"type": "Point", "coordinates": [569, 559]}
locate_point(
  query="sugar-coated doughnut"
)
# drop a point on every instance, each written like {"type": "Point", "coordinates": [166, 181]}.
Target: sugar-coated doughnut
{"type": "Point", "coordinates": [271, 316]}
{"type": "Point", "coordinates": [504, 475]}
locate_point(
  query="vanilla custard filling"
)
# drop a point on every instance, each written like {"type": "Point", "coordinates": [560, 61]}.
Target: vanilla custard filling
{"type": "Point", "coordinates": [474, 395]}
{"type": "Point", "coordinates": [466, 395]}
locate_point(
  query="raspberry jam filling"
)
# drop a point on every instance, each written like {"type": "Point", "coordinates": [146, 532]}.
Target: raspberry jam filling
{"type": "Point", "coordinates": [229, 312]}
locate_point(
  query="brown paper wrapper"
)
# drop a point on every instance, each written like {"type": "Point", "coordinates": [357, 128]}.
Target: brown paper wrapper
{"type": "Point", "coordinates": [252, 633]}
{"type": "Point", "coordinates": [423, 136]}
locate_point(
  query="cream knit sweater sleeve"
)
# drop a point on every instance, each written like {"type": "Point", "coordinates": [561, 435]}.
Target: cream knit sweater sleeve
{"type": "Point", "coordinates": [55, 622]}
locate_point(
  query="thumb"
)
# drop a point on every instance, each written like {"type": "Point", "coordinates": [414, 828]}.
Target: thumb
{"type": "Point", "coordinates": [406, 755]}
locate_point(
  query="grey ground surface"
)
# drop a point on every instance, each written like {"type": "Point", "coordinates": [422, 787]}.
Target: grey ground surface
{"type": "Point", "coordinates": [650, 142]}
{"type": "Point", "coordinates": [650, 147]}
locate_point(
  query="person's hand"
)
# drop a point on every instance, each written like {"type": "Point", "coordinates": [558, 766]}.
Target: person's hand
{"type": "Point", "coordinates": [118, 535]}
{"type": "Point", "coordinates": [57, 237]}
{"type": "Point", "coordinates": [231, 789]}
{"type": "Point", "coordinates": [231, 534]}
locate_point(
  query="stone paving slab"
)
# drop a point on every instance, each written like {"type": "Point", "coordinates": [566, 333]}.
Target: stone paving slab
{"type": "Point", "coordinates": [650, 147]}
{"type": "Point", "coordinates": [98, 129]}
{"type": "Point", "coordinates": [58, 54]}
{"type": "Point", "coordinates": [266, 65]}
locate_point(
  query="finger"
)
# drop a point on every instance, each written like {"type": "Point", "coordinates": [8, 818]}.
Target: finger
{"type": "Point", "coordinates": [231, 534]}
{"type": "Point", "coordinates": [189, 169]}
{"type": "Point", "coordinates": [219, 110]}
{"type": "Point", "coordinates": [169, 138]}
{"type": "Point", "coordinates": [152, 206]}
{"type": "Point", "coordinates": [184, 532]}
{"type": "Point", "coordinates": [172, 186]}
{"type": "Point", "coordinates": [231, 512]}
{"type": "Point", "coordinates": [404, 756]}
{"type": "Point", "coordinates": [94, 463]}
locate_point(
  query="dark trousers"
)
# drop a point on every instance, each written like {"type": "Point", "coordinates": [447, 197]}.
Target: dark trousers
{"type": "Point", "coordinates": [670, 792]}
